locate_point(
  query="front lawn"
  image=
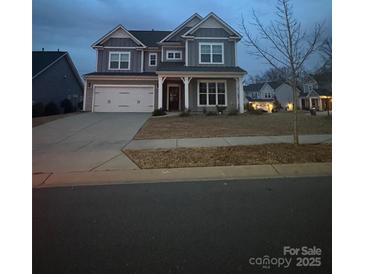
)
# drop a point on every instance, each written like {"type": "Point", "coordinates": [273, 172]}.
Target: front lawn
{"type": "Point", "coordinates": [197, 126]}
{"type": "Point", "coordinates": [230, 156]}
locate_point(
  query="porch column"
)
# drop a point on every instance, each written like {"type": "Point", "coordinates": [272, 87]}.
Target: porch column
{"type": "Point", "coordinates": [310, 102]}
{"type": "Point", "coordinates": [186, 81]}
{"type": "Point", "coordinates": [159, 94]}
{"type": "Point", "coordinates": [241, 94]}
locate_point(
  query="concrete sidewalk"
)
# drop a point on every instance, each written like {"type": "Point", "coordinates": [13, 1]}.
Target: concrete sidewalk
{"type": "Point", "coordinates": [180, 174]}
{"type": "Point", "coordinates": [226, 141]}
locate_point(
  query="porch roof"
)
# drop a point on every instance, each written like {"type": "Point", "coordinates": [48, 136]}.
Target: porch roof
{"type": "Point", "coordinates": [180, 67]}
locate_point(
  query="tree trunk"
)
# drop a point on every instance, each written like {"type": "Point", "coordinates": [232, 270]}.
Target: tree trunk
{"type": "Point", "coordinates": [295, 103]}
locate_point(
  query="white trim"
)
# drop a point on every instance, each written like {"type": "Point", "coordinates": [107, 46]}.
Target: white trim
{"type": "Point", "coordinates": [211, 44]}
{"type": "Point", "coordinates": [108, 85]}
{"type": "Point", "coordinates": [120, 53]}
{"type": "Point", "coordinates": [211, 14]}
{"type": "Point", "coordinates": [181, 26]}
{"type": "Point", "coordinates": [121, 47]}
{"type": "Point", "coordinates": [84, 102]}
{"type": "Point", "coordinates": [186, 52]}
{"type": "Point", "coordinates": [216, 93]}
{"type": "Point", "coordinates": [114, 30]}
{"type": "Point", "coordinates": [174, 53]}
{"type": "Point", "coordinates": [211, 38]}
{"type": "Point", "coordinates": [168, 95]}
{"type": "Point", "coordinates": [149, 58]}
{"type": "Point", "coordinates": [142, 60]}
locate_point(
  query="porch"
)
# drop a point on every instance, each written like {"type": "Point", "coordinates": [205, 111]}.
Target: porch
{"type": "Point", "coordinates": [196, 93]}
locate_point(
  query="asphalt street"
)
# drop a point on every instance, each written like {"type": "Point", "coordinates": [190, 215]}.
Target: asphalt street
{"type": "Point", "coordinates": [187, 227]}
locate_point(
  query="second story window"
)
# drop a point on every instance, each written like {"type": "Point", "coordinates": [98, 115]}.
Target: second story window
{"type": "Point", "coordinates": [211, 53]}
{"type": "Point", "coordinates": [153, 59]}
{"type": "Point", "coordinates": [173, 55]}
{"type": "Point", "coordinates": [119, 60]}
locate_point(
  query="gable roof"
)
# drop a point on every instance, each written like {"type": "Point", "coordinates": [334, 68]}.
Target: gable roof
{"type": "Point", "coordinates": [178, 28]}
{"type": "Point", "coordinates": [258, 86]}
{"type": "Point", "coordinates": [119, 27]}
{"type": "Point", "coordinates": [150, 37]}
{"type": "Point", "coordinates": [43, 60]}
{"type": "Point", "coordinates": [216, 17]}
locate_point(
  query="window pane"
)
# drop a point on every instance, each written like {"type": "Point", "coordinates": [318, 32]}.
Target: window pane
{"type": "Point", "coordinates": [217, 58]}
{"type": "Point", "coordinates": [170, 55]}
{"type": "Point", "coordinates": [205, 58]}
{"type": "Point", "coordinates": [221, 87]}
{"type": "Point", "coordinates": [123, 65]}
{"type": "Point", "coordinates": [203, 87]}
{"type": "Point", "coordinates": [124, 57]}
{"type": "Point", "coordinates": [177, 55]}
{"type": "Point", "coordinates": [114, 65]}
{"type": "Point", "coordinates": [114, 57]}
{"type": "Point", "coordinates": [205, 49]}
{"type": "Point", "coordinates": [212, 99]}
{"type": "Point", "coordinates": [203, 99]}
{"type": "Point", "coordinates": [221, 99]}
{"type": "Point", "coordinates": [212, 88]}
{"type": "Point", "coordinates": [217, 49]}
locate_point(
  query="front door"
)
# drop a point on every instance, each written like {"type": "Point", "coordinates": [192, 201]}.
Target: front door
{"type": "Point", "coordinates": [174, 98]}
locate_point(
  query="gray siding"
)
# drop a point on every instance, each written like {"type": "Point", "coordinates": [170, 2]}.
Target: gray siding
{"type": "Point", "coordinates": [211, 32]}
{"type": "Point", "coordinates": [146, 65]}
{"type": "Point", "coordinates": [89, 90]}
{"type": "Point", "coordinates": [120, 42]}
{"type": "Point", "coordinates": [103, 60]}
{"type": "Point", "coordinates": [193, 95]}
{"type": "Point", "coordinates": [56, 84]}
{"type": "Point", "coordinates": [165, 49]}
{"type": "Point", "coordinates": [177, 36]}
{"type": "Point", "coordinates": [229, 52]}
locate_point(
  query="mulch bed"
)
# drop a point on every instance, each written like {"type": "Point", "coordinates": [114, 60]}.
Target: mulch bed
{"type": "Point", "coordinates": [231, 156]}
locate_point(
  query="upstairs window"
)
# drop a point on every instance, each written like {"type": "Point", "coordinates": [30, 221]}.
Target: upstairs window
{"type": "Point", "coordinates": [153, 59]}
{"type": "Point", "coordinates": [211, 53]}
{"type": "Point", "coordinates": [119, 60]}
{"type": "Point", "coordinates": [173, 55]}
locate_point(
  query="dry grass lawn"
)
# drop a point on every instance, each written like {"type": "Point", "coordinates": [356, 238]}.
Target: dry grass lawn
{"type": "Point", "coordinates": [233, 155]}
{"type": "Point", "coordinates": [37, 121]}
{"type": "Point", "coordinates": [197, 126]}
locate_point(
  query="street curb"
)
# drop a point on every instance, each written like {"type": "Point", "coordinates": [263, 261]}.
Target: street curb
{"type": "Point", "coordinates": [181, 174]}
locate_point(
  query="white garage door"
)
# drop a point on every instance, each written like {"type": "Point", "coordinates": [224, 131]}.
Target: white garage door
{"type": "Point", "coordinates": [123, 99]}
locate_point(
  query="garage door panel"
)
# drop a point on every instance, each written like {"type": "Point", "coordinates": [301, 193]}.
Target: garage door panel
{"type": "Point", "coordinates": [124, 99]}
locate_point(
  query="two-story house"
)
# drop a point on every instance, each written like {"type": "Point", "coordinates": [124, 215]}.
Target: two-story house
{"type": "Point", "coordinates": [317, 92]}
{"type": "Point", "coordinates": [194, 67]}
{"type": "Point", "coordinates": [262, 95]}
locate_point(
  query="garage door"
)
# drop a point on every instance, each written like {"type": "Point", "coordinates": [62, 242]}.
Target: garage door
{"type": "Point", "coordinates": [124, 99]}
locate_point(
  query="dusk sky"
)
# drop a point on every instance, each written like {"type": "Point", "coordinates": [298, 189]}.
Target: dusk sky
{"type": "Point", "coordinates": [74, 25]}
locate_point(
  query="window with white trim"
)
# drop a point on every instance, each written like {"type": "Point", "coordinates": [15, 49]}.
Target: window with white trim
{"type": "Point", "coordinates": [173, 55]}
{"type": "Point", "coordinates": [212, 93]}
{"type": "Point", "coordinates": [153, 59]}
{"type": "Point", "coordinates": [211, 53]}
{"type": "Point", "coordinates": [119, 60]}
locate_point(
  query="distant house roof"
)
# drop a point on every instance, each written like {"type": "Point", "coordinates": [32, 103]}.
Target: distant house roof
{"type": "Point", "coordinates": [43, 60]}
{"type": "Point", "coordinates": [250, 99]}
{"type": "Point", "coordinates": [179, 66]}
{"type": "Point", "coordinates": [258, 86]}
{"type": "Point", "coordinates": [324, 92]}
{"type": "Point", "coordinates": [150, 37]}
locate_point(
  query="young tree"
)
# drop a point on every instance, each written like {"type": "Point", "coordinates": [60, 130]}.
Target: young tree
{"type": "Point", "coordinates": [283, 43]}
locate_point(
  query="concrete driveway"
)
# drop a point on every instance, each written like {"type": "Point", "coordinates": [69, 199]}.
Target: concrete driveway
{"type": "Point", "coordinates": [85, 142]}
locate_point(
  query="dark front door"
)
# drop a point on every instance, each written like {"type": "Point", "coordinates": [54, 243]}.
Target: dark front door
{"type": "Point", "coordinates": [174, 98]}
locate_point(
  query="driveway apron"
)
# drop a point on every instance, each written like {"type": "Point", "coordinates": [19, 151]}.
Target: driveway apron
{"type": "Point", "coordinates": [85, 142]}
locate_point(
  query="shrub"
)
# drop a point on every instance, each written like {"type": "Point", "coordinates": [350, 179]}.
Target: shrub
{"type": "Point", "coordinates": [211, 113]}
{"type": "Point", "coordinates": [51, 109]}
{"type": "Point", "coordinates": [67, 106]}
{"type": "Point", "coordinates": [159, 112]}
{"type": "Point", "coordinates": [204, 110]}
{"type": "Point", "coordinates": [37, 109]}
{"type": "Point", "coordinates": [233, 111]}
{"type": "Point", "coordinates": [185, 113]}
{"type": "Point", "coordinates": [257, 111]}
{"type": "Point", "coordinates": [220, 109]}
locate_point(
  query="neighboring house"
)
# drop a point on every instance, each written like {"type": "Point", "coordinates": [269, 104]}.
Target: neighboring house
{"type": "Point", "coordinates": [192, 67]}
{"type": "Point", "coordinates": [55, 78]}
{"type": "Point", "coordinates": [317, 92]}
{"type": "Point", "coordinates": [262, 95]}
